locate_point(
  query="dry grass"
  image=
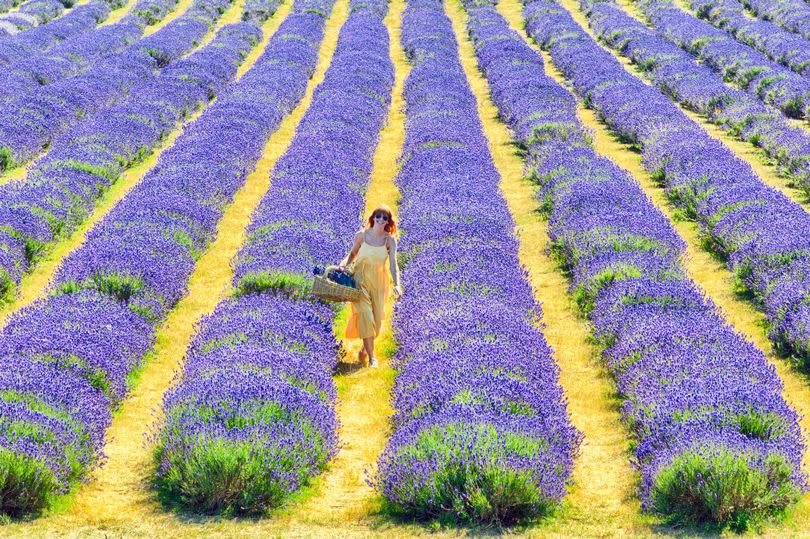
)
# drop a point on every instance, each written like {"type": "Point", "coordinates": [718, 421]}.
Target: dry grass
{"type": "Point", "coordinates": [181, 7]}
{"type": "Point", "coordinates": [34, 284]}
{"type": "Point", "coordinates": [344, 499]}
{"type": "Point", "coordinates": [120, 13]}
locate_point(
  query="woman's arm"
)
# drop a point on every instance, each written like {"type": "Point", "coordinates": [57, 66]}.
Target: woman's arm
{"type": "Point", "coordinates": [349, 258]}
{"type": "Point", "coordinates": [392, 256]}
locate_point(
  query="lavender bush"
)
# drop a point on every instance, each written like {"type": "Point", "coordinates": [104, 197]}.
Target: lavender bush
{"type": "Point", "coordinates": [762, 233]}
{"type": "Point", "coordinates": [481, 431]}
{"type": "Point", "coordinates": [118, 286]}
{"type": "Point", "coordinates": [30, 14]}
{"type": "Point", "coordinates": [776, 43]}
{"type": "Point", "coordinates": [63, 186]}
{"type": "Point", "coordinates": [75, 55]}
{"type": "Point", "coordinates": [715, 440]}
{"type": "Point", "coordinates": [34, 120]}
{"type": "Point", "coordinates": [793, 15]}
{"type": "Point", "coordinates": [252, 418]}
{"type": "Point", "coordinates": [698, 88]}
{"type": "Point", "coordinates": [775, 84]}
{"type": "Point", "coordinates": [15, 44]}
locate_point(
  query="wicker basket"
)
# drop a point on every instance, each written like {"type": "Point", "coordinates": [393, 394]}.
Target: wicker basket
{"type": "Point", "coordinates": [328, 290]}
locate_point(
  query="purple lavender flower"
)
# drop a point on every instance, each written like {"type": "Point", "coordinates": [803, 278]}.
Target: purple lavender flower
{"type": "Point", "coordinates": [481, 430]}
{"type": "Point", "coordinates": [704, 404]}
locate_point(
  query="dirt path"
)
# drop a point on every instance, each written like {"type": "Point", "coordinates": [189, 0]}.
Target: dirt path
{"type": "Point", "coordinates": [344, 499]}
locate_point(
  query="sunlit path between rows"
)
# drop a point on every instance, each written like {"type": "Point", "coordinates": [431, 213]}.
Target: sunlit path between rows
{"type": "Point", "coordinates": [602, 502]}
{"type": "Point", "coordinates": [343, 498]}
{"type": "Point", "coordinates": [120, 13]}
{"type": "Point", "coordinates": [34, 283]}
{"type": "Point", "coordinates": [119, 501]}
{"type": "Point", "coordinates": [706, 270]}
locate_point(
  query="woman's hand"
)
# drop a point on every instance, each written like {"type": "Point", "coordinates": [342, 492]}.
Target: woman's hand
{"type": "Point", "coordinates": [398, 291]}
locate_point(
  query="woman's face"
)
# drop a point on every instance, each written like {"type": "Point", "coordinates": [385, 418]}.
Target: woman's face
{"type": "Point", "coordinates": [380, 220]}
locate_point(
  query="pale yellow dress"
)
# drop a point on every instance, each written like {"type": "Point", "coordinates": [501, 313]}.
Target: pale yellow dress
{"type": "Point", "coordinates": [371, 277]}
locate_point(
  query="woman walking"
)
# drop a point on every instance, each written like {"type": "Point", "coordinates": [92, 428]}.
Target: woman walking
{"type": "Point", "coordinates": [372, 247]}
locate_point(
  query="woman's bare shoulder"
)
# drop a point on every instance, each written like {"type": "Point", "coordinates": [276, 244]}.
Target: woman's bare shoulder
{"type": "Point", "coordinates": [390, 240]}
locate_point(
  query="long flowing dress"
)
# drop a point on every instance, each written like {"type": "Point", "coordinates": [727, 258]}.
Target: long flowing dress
{"type": "Point", "coordinates": [371, 277]}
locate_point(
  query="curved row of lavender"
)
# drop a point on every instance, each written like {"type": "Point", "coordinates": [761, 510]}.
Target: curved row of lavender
{"type": "Point", "coordinates": [762, 233]}
{"type": "Point", "coordinates": [62, 187]}
{"type": "Point", "coordinates": [778, 44]}
{"type": "Point", "coordinates": [774, 83]}
{"type": "Point", "coordinates": [481, 429]}
{"type": "Point", "coordinates": [66, 361]}
{"type": "Point", "coordinates": [46, 36]}
{"type": "Point", "coordinates": [30, 14]}
{"type": "Point", "coordinates": [8, 5]}
{"type": "Point", "coordinates": [23, 76]}
{"type": "Point", "coordinates": [703, 403]}
{"type": "Point", "coordinates": [252, 417]}
{"type": "Point", "coordinates": [698, 88]}
{"type": "Point", "coordinates": [32, 120]}
{"type": "Point", "coordinates": [793, 15]}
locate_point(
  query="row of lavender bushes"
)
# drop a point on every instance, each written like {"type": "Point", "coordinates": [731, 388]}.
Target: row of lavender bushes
{"type": "Point", "coordinates": [774, 83]}
{"type": "Point", "coordinates": [44, 36]}
{"type": "Point", "coordinates": [480, 431]}
{"type": "Point", "coordinates": [62, 187]}
{"type": "Point", "coordinates": [34, 119]}
{"type": "Point", "coordinates": [30, 14]}
{"type": "Point", "coordinates": [699, 88]}
{"type": "Point", "coordinates": [68, 360]}
{"type": "Point", "coordinates": [715, 440]}
{"type": "Point", "coordinates": [778, 44]}
{"type": "Point", "coordinates": [764, 236]}
{"type": "Point", "coordinates": [793, 15]}
{"type": "Point", "coordinates": [22, 76]}
{"type": "Point", "coordinates": [252, 418]}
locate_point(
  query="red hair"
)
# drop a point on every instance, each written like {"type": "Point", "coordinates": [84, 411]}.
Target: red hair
{"type": "Point", "coordinates": [390, 225]}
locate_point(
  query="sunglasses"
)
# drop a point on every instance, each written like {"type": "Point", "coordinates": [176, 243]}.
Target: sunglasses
{"type": "Point", "coordinates": [381, 216]}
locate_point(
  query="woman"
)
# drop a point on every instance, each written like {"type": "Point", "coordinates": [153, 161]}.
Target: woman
{"type": "Point", "coordinates": [372, 246]}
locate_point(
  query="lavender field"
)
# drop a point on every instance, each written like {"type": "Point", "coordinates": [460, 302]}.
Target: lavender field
{"type": "Point", "coordinates": [604, 245]}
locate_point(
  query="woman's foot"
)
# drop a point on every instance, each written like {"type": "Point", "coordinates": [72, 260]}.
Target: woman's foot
{"type": "Point", "coordinates": [372, 362]}
{"type": "Point", "coordinates": [361, 355]}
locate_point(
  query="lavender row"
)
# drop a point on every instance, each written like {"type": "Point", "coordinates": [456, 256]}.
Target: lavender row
{"type": "Point", "coordinates": [778, 44]}
{"type": "Point", "coordinates": [698, 88]}
{"type": "Point", "coordinates": [68, 360]}
{"type": "Point", "coordinates": [703, 403]}
{"type": "Point", "coordinates": [75, 55]}
{"type": "Point", "coordinates": [30, 14]}
{"type": "Point", "coordinates": [481, 431]}
{"type": "Point", "coordinates": [791, 14]}
{"type": "Point", "coordinates": [45, 36]}
{"type": "Point", "coordinates": [269, 348]}
{"type": "Point", "coordinates": [8, 5]}
{"type": "Point", "coordinates": [30, 122]}
{"type": "Point", "coordinates": [762, 233]}
{"type": "Point", "coordinates": [773, 83]}
{"type": "Point", "coordinates": [63, 186]}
